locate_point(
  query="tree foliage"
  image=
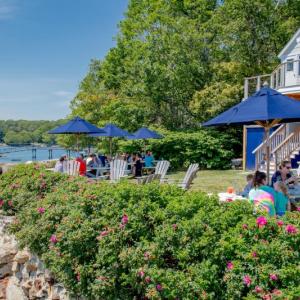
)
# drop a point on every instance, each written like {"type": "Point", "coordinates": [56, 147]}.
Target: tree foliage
{"type": "Point", "coordinates": [26, 132]}
{"type": "Point", "coordinates": [180, 62]}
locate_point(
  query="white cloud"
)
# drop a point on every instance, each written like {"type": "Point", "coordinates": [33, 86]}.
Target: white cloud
{"type": "Point", "coordinates": [8, 9]}
{"type": "Point", "coordinates": [63, 93]}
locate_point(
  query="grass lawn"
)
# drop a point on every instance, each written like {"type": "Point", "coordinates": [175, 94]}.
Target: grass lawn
{"type": "Point", "coordinates": [215, 181]}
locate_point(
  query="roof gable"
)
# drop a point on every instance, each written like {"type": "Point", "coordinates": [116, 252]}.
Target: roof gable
{"type": "Point", "coordinates": [291, 44]}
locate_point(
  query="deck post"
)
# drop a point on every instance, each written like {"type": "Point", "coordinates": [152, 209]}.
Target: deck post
{"type": "Point", "coordinates": [258, 84]}
{"type": "Point", "coordinates": [246, 87]}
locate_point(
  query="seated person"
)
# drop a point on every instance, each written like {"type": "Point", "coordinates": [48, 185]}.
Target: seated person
{"type": "Point", "coordinates": [149, 159]}
{"type": "Point", "coordinates": [284, 174]}
{"type": "Point", "coordinates": [93, 163]}
{"type": "Point", "coordinates": [261, 195]}
{"type": "Point", "coordinates": [102, 159]}
{"type": "Point", "coordinates": [82, 165]}
{"type": "Point", "coordinates": [59, 167]}
{"type": "Point", "coordinates": [138, 165]}
{"type": "Point", "coordinates": [282, 203]}
{"type": "Point", "coordinates": [248, 187]}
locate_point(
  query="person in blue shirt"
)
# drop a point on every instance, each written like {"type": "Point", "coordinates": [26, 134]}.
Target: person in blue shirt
{"type": "Point", "coordinates": [149, 159]}
{"type": "Point", "coordinates": [249, 186]}
{"type": "Point", "coordinates": [282, 203]}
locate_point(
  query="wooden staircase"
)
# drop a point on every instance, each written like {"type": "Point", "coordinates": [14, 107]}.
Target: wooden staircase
{"type": "Point", "coordinates": [283, 146]}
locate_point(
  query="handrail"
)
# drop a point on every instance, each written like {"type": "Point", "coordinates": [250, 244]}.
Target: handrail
{"type": "Point", "coordinates": [264, 142]}
{"type": "Point", "coordinates": [281, 144]}
{"type": "Point", "coordinates": [287, 147]}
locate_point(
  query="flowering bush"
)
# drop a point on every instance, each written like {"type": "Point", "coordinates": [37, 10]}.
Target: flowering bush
{"type": "Point", "coordinates": [125, 241]}
{"type": "Point", "coordinates": [26, 183]}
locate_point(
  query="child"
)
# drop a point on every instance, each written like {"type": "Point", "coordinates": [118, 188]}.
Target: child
{"type": "Point", "coordinates": [248, 187]}
{"type": "Point", "coordinates": [282, 203]}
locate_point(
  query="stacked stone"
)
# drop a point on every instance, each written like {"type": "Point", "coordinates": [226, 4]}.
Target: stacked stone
{"type": "Point", "coordinates": [22, 275]}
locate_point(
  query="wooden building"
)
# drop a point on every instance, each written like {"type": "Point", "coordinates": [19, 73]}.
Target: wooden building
{"type": "Point", "coordinates": [285, 138]}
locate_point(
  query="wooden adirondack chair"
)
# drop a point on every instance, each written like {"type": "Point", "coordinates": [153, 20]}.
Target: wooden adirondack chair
{"type": "Point", "coordinates": [71, 167]}
{"type": "Point", "coordinates": [190, 174]}
{"type": "Point", "coordinates": [117, 169]}
{"type": "Point", "coordinates": [148, 179]}
{"type": "Point", "coordinates": [162, 168]}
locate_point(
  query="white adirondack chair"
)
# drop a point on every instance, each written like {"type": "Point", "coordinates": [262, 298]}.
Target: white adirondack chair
{"type": "Point", "coordinates": [190, 174]}
{"type": "Point", "coordinates": [162, 168]}
{"type": "Point", "coordinates": [148, 179]}
{"type": "Point", "coordinates": [71, 167]}
{"type": "Point", "coordinates": [117, 169]}
{"type": "Point", "coordinates": [188, 177]}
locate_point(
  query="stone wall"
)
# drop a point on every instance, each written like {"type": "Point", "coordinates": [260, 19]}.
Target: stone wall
{"type": "Point", "coordinates": [22, 275]}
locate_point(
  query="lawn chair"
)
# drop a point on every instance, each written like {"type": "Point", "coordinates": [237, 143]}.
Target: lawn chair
{"type": "Point", "coordinates": [162, 168]}
{"type": "Point", "coordinates": [190, 174]}
{"type": "Point", "coordinates": [148, 179]}
{"type": "Point", "coordinates": [117, 170]}
{"type": "Point", "coordinates": [71, 167]}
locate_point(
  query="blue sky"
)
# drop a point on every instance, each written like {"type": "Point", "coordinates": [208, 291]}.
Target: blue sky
{"type": "Point", "coordinates": [45, 50]}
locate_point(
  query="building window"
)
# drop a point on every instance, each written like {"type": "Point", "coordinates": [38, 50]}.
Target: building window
{"type": "Point", "coordinates": [290, 65]}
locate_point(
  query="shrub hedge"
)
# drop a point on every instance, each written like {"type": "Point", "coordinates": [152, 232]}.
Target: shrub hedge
{"type": "Point", "coordinates": [126, 241]}
{"type": "Point", "coordinates": [212, 150]}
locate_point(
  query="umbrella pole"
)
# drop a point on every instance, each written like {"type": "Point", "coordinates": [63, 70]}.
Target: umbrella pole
{"type": "Point", "coordinates": [110, 147]}
{"type": "Point", "coordinates": [267, 129]}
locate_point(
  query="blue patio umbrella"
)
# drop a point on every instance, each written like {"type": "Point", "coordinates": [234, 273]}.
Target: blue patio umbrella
{"type": "Point", "coordinates": [111, 131]}
{"type": "Point", "coordinates": [145, 133]}
{"type": "Point", "coordinates": [266, 107]}
{"type": "Point", "coordinates": [78, 127]}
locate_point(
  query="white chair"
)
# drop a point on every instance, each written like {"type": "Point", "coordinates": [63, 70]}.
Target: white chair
{"type": "Point", "coordinates": [117, 170]}
{"type": "Point", "coordinates": [162, 168]}
{"type": "Point", "coordinates": [190, 174]}
{"type": "Point", "coordinates": [71, 167]}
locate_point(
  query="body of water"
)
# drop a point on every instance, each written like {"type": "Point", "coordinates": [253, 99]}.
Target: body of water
{"type": "Point", "coordinates": [26, 155]}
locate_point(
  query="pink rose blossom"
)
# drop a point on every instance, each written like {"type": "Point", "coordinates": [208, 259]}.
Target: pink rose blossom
{"type": "Point", "coordinates": [247, 280]}
{"type": "Point", "coordinates": [273, 277]}
{"type": "Point", "coordinates": [280, 223]}
{"type": "Point", "coordinates": [258, 290]}
{"type": "Point", "coordinates": [174, 226]}
{"type": "Point", "coordinates": [261, 221]}
{"type": "Point", "coordinates": [245, 226]}
{"type": "Point", "coordinates": [102, 234]}
{"type": "Point", "coordinates": [53, 239]}
{"type": "Point", "coordinates": [124, 219]}
{"type": "Point", "coordinates": [254, 254]}
{"type": "Point", "coordinates": [141, 274]}
{"type": "Point", "coordinates": [41, 210]}
{"type": "Point", "coordinates": [10, 203]}
{"type": "Point", "coordinates": [298, 208]}
{"type": "Point", "coordinates": [291, 229]}
{"type": "Point", "coordinates": [277, 292]}
{"type": "Point", "coordinates": [159, 287]}
{"type": "Point", "coordinates": [1, 202]}
{"type": "Point", "coordinates": [147, 279]}
{"type": "Point", "coordinates": [230, 265]}
{"type": "Point", "coordinates": [146, 255]}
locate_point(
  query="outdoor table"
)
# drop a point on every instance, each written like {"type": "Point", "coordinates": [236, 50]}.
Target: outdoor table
{"type": "Point", "coordinates": [228, 197]}
{"type": "Point", "coordinates": [147, 170]}
{"type": "Point", "coordinates": [100, 170]}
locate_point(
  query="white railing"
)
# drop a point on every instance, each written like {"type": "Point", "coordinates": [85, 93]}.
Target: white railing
{"type": "Point", "coordinates": [278, 79]}
{"type": "Point", "coordinates": [275, 139]}
{"type": "Point", "coordinates": [284, 150]}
